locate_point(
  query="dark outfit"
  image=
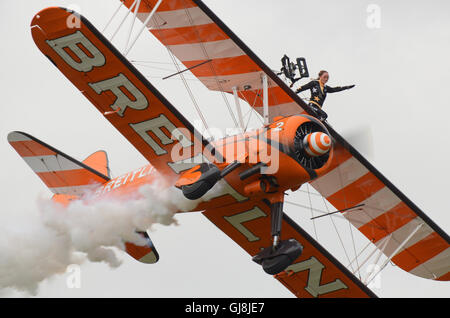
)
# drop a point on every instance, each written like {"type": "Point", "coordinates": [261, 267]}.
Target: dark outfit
{"type": "Point", "coordinates": [318, 95]}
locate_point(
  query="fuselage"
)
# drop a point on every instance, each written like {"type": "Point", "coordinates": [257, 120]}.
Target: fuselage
{"type": "Point", "coordinates": [272, 145]}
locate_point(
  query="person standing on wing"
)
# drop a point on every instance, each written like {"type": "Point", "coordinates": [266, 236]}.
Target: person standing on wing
{"type": "Point", "coordinates": [319, 91]}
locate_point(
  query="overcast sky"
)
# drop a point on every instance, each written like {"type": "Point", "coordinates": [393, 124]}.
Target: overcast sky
{"type": "Point", "coordinates": [400, 68]}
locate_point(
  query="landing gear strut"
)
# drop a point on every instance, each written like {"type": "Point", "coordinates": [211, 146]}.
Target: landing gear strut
{"type": "Point", "coordinates": [276, 258]}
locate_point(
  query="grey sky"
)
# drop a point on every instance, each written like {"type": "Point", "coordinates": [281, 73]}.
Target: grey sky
{"type": "Point", "coordinates": [400, 71]}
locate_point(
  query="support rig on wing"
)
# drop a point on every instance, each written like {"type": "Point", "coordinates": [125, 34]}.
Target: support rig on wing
{"type": "Point", "coordinates": [289, 69]}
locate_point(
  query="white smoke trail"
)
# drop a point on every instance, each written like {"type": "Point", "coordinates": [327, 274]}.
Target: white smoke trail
{"type": "Point", "coordinates": [42, 244]}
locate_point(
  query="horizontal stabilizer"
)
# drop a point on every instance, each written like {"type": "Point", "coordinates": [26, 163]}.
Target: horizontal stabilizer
{"type": "Point", "coordinates": [60, 173]}
{"type": "Point", "coordinates": [145, 254]}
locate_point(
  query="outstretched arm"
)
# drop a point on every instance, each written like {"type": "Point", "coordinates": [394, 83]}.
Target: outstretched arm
{"type": "Point", "coordinates": [338, 89]}
{"type": "Point", "coordinates": [304, 87]}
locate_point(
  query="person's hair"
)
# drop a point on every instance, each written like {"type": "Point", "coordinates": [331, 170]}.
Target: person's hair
{"type": "Point", "coordinates": [321, 73]}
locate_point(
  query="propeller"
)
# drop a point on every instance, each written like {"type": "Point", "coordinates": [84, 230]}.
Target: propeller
{"type": "Point", "coordinates": [311, 145]}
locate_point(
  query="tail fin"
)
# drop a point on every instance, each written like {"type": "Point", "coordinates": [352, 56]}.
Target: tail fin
{"type": "Point", "coordinates": [60, 173]}
{"type": "Point", "coordinates": [68, 178]}
{"type": "Point", "coordinates": [99, 162]}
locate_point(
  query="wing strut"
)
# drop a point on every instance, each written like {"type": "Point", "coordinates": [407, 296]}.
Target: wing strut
{"type": "Point", "coordinates": [121, 23]}
{"type": "Point", "coordinates": [143, 27]}
{"type": "Point", "coordinates": [265, 99]}
{"type": "Point", "coordinates": [132, 23]}
{"type": "Point", "coordinates": [238, 109]}
{"type": "Point", "coordinates": [277, 257]}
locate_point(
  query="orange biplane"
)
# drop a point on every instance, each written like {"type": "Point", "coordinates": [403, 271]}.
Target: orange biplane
{"type": "Point", "coordinates": [254, 169]}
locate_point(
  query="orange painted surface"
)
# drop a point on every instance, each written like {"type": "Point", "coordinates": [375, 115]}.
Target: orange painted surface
{"type": "Point", "coordinates": [356, 192]}
{"type": "Point", "coordinates": [223, 66]}
{"type": "Point", "coordinates": [147, 5]}
{"type": "Point", "coordinates": [29, 148]}
{"type": "Point", "coordinates": [421, 252]}
{"type": "Point", "coordinates": [260, 230]}
{"type": "Point", "coordinates": [52, 25]}
{"type": "Point", "coordinates": [98, 161]}
{"type": "Point", "coordinates": [388, 222]}
{"type": "Point", "coordinates": [190, 34]}
{"type": "Point", "coordinates": [78, 177]}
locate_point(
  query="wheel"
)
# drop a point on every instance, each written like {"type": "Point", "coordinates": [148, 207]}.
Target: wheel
{"type": "Point", "coordinates": [276, 264]}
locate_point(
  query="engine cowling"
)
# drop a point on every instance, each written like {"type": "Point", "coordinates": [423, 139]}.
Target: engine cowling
{"type": "Point", "coordinates": [284, 155]}
{"type": "Point", "coordinates": [306, 141]}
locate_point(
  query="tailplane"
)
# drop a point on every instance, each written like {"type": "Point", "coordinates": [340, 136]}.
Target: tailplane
{"type": "Point", "coordinates": [68, 179]}
{"type": "Point", "coordinates": [59, 172]}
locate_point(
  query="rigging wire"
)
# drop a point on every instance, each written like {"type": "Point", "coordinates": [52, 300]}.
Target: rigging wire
{"type": "Point", "coordinates": [354, 245]}
{"type": "Point", "coordinates": [250, 113]}
{"type": "Point", "coordinates": [359, 254]}
{"type": "Point", "coordinates": [132, 24]}
{"type": "Point", "coordinates": [337, 231]}
{"type": "Point", "coordinates": [143, 27]}
{"type": "Point", "coordinates": [194, 101]}
{"type": "Point", "coordinates": [229, 109]}
{"type": "Point", "coordinates": [349, 223]}
{"type": "Point", "coordinates": [312, 213]}
{"type": "Point", "coordinates": [113, 16]}
{"type": "Point", "coordinates": [135, 6]}
{"type": "Point", "coordinates": [188, 89]}
{"type": "Point", "coordinates": [213, 70]}
{"type": "Point", "coordinates": [177, 79]}
{"type": "Point", "coordinates": [152, 62]}
{"type": "Point", "coordinates": [123, 20]}
{"type": "Point", "coordinates": [153, 67]}
{"type": "Point", "coordinates": [252, 106]}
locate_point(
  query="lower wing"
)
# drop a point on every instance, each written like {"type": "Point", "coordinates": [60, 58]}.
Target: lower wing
{"type": "Point", "coordinates": [315, 273]}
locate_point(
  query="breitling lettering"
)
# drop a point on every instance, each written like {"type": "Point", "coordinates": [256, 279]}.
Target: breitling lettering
{"type": "Point", "coordinates": [154, 125]}
{"type": "Point", "coordinates": [116, 86]}
{"type": "Point", "coordinates": [185, 164]}
{"type": "Point", "coordinates": [237, 221]}
{"type": "Point", "coordinates": [315, 270]}
{"type": "Point", "coordinates": [157, 131]}
{"type": "Point", "coordinates": [124, 179]}
{"type": "Point", "coordinates": [74, 43]}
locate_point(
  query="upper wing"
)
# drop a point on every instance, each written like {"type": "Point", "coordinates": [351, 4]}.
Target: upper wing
{"type": "Point", "coordinates": [130, 103]}
{"type": "Point", "coordinates": [387, 218]}
{"type": "Point", "coordinates": [316, 273]}
{"type": "Point", "coordinates": [195, 35]}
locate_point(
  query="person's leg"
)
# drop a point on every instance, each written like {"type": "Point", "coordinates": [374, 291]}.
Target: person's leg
{"type": "Point", "coordinates": [318, 113]}
{"type": "Point", "coordinates": [323, 116]}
